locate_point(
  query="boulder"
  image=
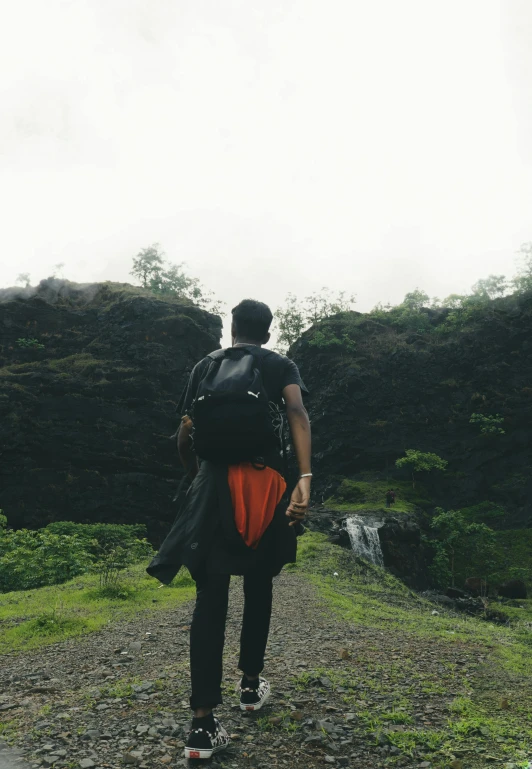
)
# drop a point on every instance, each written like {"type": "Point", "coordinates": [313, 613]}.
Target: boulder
{"type": "Point", "coordinates": [476, 586]}
{"type": "Point", "coordinates": [454, 592]}
{"type": "Point", "coordinates": [514, 588]}
{"type": "Point", "coordinates": [403, 550]}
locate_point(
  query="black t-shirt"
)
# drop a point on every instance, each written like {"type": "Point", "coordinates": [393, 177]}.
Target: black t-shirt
{"type": "Point", "coordinates": [278, 372]}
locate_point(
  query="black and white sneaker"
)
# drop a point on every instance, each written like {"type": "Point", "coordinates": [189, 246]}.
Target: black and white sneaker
{"type": "Point", "coordinates": [253, 694]}
{"type": "Point", "coordinates": [204, 741]}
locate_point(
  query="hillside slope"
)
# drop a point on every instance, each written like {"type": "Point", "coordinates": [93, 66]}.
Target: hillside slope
{"type": "Point", "coordinates": [383, 383]}
{"type": "Point", "coordinates": [89, 380]}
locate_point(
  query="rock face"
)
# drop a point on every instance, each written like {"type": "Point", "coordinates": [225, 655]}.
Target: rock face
{"type": "Point", "coordinates": [87, 409]}
{"type": "Point", "coordinates": [378, 390]}
{"type": "Point", "coordinates": [403, 552]}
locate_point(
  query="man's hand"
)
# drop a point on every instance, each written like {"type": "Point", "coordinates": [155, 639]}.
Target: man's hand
{"type": "Point", "coordinates": [299, 501]}
{"type": "Point", "coordinates": [187, 456]}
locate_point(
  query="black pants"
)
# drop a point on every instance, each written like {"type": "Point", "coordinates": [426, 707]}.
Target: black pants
{"type": "Point", "coordinates": [207, 633]}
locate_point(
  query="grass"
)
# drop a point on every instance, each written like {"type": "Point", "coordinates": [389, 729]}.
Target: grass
{"type": "Point", "coordinates": [33, 618]}
{"type": "Point", "coordinates": [370, 596]}
{"type": "Point", "coordinates": [488, 707]}
{"type": "Point", "coordinates": [363, 493]}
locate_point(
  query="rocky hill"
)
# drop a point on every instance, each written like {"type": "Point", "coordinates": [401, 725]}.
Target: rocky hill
{"type": "Point", "coordinates": [90, 376]}
{"type": "Point", "coordinates": [89, 380]}
{"type": "Point", "coordinates": [386, 382]}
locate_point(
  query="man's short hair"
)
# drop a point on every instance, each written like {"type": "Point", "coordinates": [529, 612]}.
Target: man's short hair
{"type": "Point", "coordinates": [252, 319]}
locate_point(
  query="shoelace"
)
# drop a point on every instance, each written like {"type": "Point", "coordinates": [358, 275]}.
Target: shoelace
{"type": "Point", "coordinates": [216, 737]}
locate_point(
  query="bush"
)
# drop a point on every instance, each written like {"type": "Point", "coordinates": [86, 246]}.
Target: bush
{"type": "Point", "coordinates": [462, 549]}
{"type": "Point", "coordinates": [63, 550]}
{"type": "Point", "coordinates": [111, 562]}
{"type": "Point", "coordinates": [100, 537]}
{"type": "Point", "coordinates": [27, 343]}
{"type": "Point", "coordinates": [483, 512]}
{"type": "Point", "coordinates": [489, 423]}
{"type": "Point", "coordinates": [30, 559]}
{"type": "Point", "coordinates": [348, 491]}
{"type": "Point", "coordinates": [112, 547]}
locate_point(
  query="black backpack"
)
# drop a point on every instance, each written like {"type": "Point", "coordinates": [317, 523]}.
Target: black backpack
{"type": "Point", "coordinates": [231, 411]}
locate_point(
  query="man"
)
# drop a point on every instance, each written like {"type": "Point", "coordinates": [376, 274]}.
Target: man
{"type": "Point", "coordinates": [390, 498]}
{"type": "Point", "coordinates": [237, 520]}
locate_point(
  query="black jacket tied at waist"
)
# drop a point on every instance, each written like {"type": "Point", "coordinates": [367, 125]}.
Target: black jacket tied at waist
{"type": "Point", "coordinates": [204, 537]}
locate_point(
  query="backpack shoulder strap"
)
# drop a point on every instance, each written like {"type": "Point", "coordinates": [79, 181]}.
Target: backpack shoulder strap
{"type": "Point", "coordinates": [216, 355]}
{"type": "Point", "coordinates": [261, 352]}
{"type": "Point", "coordinates": [257, 352]}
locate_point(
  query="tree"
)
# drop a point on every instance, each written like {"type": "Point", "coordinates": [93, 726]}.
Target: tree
{"type": "Point", "coordinates": [416, 300]}
{"type": "Point", "coordinates": [459, 546]}
{"type": "Point", "coordinates": [148, 265]}
{"type": "Point", "coordinates": [421, 462]}
{"type": "Point", "coordinates": [489, 423]}
{"type": "Point", "coordinates": [24, 278]}
{"type": "Point", "coordinates": [290, 322]}
{"type": "Point", "coordinates": [523, 280]}
{"type": "Point", "coordinates": [323, 304]}
{"type": "Point", "coordinates": [491, 287]}
{"type": "Point", "coordinates": [167, 279]}
{"type": "Point", "coordinates": [298, 315]}
{"type": "Point", "coordinates": [453, 301]}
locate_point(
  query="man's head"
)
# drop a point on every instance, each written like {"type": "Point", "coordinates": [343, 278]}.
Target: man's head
{"type": "Point", "coordinates": [251, 322]}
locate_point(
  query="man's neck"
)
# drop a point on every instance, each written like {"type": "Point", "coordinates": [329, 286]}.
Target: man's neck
{"type": "Point", "coordinates": [243, 342]}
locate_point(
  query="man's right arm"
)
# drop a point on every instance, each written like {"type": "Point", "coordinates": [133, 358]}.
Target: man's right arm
{"type": "Point", "coordinates": [184, 447]}
{"type": "Point", "coordinates": [184, 440]}
{"type": "Point", "coordinates": [300, 430]}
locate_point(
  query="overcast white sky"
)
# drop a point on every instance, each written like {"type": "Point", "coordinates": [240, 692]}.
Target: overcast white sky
{"type": "Point", "coordinates": [274, 145]}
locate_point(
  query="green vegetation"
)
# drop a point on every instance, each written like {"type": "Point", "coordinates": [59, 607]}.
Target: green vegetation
{"type": "Point", "coordinates": [365, 494]}
{"type": "Point", "coordinates": [165, 279]}
{"type": "Point", "coordinates": [44, 616]}
{"type": "Point", "coordinates": [63, 550]}
{"type": "Point", "coordinates": [461, 549]}
{"type": "Point", "coordinates": [296, 315]}
{"type": "Point", "coordinates": [31, 559]}
{"type": "Point", "coordinates": [513, 556]}
{"type": "Point", "coordinates": [489, 423]}
{"type": "Point", "coordinates": [486, 708]}
{"type": "Point", "coordinates": [421, 462]}
{"type": "Point", "coordinates": [417, 313]}
{"type": "Point", "coordinates": [323, 337]}
{"type": "Point", "coordinates": [27, 343]}
{"type": "Point", "coordinates": [100, 535]}
{"type": "Point", "coordinates": [484, 512]}
{"type": "Point", "coordinates": [370, 596]}
{"type": "Point", "coordinates": [523, 280]}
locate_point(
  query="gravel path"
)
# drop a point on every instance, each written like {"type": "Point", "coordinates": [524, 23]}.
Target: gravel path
{"type": "Point", "coordinates": [120, 696]}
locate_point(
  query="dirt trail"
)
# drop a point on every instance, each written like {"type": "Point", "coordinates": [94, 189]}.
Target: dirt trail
{"type": "Point", "coordinates": [76, 707]}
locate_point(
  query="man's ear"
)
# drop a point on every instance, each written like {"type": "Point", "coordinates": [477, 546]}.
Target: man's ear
{"type": "Point", "coordinates": [266, 338]}
{"type": "Point", "coordinates": [233, 331]}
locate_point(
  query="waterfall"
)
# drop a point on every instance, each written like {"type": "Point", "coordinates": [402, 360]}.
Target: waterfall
{"type": "Point", "coordinates": [365, 540]}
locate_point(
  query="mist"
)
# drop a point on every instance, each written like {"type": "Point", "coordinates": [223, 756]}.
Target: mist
{"type": "Point", "coordinates": [271, 146]}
